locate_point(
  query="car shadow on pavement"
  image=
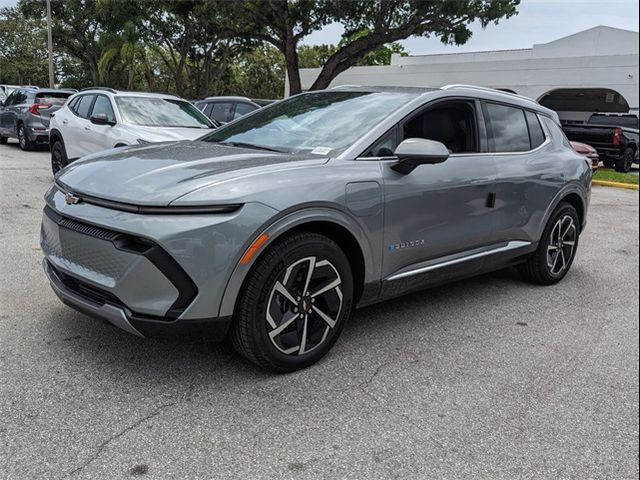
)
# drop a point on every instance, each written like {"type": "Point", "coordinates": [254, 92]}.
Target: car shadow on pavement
{"type": "Point", "coordinates": [106, 350]}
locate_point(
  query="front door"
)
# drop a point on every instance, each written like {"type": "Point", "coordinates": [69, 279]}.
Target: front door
{"type": "Point", "coordinates": [445, 209]}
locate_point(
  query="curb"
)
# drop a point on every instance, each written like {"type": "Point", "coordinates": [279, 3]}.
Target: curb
{"type": "Point", "coordinates": [604, 183]}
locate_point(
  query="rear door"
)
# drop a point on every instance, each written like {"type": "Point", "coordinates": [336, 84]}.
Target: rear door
{"type": "Point", "coordinates": [77, 126]}
{"type": "Point", "coordinates": [530, 169]}
{"type": "Point", "coordinates": [16, 103]}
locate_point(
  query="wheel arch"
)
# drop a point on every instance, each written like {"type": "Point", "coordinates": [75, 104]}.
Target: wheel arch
{"type": "Point", "coordinates": [334, 224]}
{"type": "Point", "coordinates": [573, 194]}
{"type": "Point", "coordinates": [55, 135]}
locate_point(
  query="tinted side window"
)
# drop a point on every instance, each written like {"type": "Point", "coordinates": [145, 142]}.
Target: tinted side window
{"type": "Point", "coordinates": [84, 105]}
{"type": "Point", "coordinates": [556, 131]}
{"type": "Point", "coordinates": [221, 112]}
{"type": "Point", "coordinates": [103, 106]}
{"type": "Point", "coordinates": [243, 109]}
{"type": "Point", "coordinates": [535, 130]}
{"type": "Point", "coordinates": [19, 96]}
{"type": "Point", "coordinates": [508, 127]}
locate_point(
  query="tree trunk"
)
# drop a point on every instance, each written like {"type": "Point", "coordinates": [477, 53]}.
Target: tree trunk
{"type": "Point", "coordinates": [293, 70]}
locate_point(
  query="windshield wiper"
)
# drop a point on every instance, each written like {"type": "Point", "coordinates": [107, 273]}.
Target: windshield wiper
{"type": "Point", "coordinates": [251, 145]}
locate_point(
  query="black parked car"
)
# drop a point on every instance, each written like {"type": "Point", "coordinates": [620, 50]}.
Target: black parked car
{"type": "Point", "coordinates": [614, 136]}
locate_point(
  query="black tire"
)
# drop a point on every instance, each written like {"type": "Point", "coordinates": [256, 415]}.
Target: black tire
{"type": "Point", "coordinates": [3, 140]}
{"type": "Point", "coordinates": [23, 138]}
{"type": "Point", "coordinates": [58, 157]}
{"type": "Point", "coordinates": [540, 267]}
{"type": "Point", "coordinates": [625, 162]}
{"type": "Point", "coordinates": [262, 309]}
{"type": "Point", "coordinates": [609, 163]}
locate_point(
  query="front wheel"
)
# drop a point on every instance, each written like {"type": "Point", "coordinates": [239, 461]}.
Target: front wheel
{"type": "Point", "coordinates": [557, 248]}
{"type": "Point", "coordinates": [3, 140]}
{"type": "Point", "coordinates": [294, 303]}
{"type": "Point", "coordinates": [58, 157]}
{"type": "Point", "coordinates": [624, 163]}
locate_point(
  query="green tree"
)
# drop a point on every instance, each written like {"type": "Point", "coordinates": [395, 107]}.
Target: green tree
{"type": "Point", "coordinates": [76, 28]}
{"type": "Point", "coordinates": [23, 54]}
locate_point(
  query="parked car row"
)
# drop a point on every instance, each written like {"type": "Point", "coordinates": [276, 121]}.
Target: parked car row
{"type": "Point", "coordinates": [98, 119]}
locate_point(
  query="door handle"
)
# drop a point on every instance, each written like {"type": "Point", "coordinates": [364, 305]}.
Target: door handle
{"type": "Point", "coordinates": [87, 127]}
{"type": "Point", "coordinates": [65, 122]}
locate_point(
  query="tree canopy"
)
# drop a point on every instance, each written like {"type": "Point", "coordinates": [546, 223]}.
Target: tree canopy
{"type": "Point", "coordinates": [197, 48]}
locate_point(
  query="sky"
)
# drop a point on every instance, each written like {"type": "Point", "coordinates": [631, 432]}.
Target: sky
{"type": "Point", "coordinates": [538, 21]}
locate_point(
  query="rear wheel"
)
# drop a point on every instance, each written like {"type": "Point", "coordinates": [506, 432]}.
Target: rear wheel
{"type": "Point", "coordinates": [624, 163]}
{"type": "Point", "coordinates": [294, 303]}
{"type": "Point", "coordinates": [556, 250]}
{"type": "Point", "coordinates": [58, 157]}
{"type": "Point", "coordinates": [3, 140]}
{"type": "Point", "coordinates": [23, 139]}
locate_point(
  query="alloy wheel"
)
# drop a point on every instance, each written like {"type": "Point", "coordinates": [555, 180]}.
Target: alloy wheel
{"type": "Point", "coordinates": [561, 246]}
{"type": "Point", "coordinates": [304, 305]}
{"type": "Point", "coordinates": [22, 139]}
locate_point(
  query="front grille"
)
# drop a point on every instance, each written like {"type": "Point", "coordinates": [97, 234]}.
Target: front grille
{"type": "Point", "coordinates": [79, 227]}
{"type": "Point", "coordinates": [103, 256]}
{"type": "Point", "coordinates": [84, 290]}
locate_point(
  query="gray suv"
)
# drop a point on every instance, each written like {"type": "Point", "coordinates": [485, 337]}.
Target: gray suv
{"type": "Point", "coordinates": [270, 230]}
{"type": "Point", "coordinates": [26, 112]}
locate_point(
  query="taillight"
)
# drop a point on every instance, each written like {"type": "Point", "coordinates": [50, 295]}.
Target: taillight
{"type": "Point", "coordinates": [35, 108]}
{"type": "Point", "coordinates": [617, 136]}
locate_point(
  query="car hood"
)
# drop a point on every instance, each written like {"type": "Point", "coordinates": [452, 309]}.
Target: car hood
{"type": "Point", "coordinates": [161, 173]}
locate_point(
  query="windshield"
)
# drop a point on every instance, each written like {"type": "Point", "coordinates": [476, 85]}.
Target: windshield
{"type": "Point", "coordinates": [322, 122]}
{"type": "Point", "coordinates": [161, 112]}
{"type": "Point", "coordinates": [629, 121]}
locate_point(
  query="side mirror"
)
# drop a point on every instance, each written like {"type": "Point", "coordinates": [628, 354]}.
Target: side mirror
{"type": "Point", "coordinates": [101, 119]}
{"type": "Point", "coordinates": [413, 152]}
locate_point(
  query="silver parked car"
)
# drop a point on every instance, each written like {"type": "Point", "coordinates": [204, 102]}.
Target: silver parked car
{"type": "Point", "coordinates": [25, 114]}
{"type": "Point", "coordinates": [273, 228]}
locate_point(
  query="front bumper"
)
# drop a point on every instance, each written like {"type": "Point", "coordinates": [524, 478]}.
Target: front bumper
{"type": "Point", "coordinates": [66, 288]}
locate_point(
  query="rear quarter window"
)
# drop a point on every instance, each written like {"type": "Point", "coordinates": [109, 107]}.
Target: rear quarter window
{"type": "Point", "coordinates": [535, 130]}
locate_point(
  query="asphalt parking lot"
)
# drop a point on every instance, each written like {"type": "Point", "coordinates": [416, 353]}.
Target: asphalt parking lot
{"type": "Point", "coordinates": [489, 378]}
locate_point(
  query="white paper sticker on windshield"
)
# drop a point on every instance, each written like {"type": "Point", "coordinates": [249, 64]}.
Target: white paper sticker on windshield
{"type": "Point", "coordinates": [321, 150]}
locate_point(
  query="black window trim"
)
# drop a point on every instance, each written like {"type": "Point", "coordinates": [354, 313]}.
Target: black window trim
{"type": "Point", "coordinates": [546, 142]}
{"type": "Point", "coordinates": [94, 95]}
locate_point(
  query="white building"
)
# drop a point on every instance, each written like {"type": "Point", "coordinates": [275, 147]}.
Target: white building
{"type": "Point", "coordinates": [593, 70]}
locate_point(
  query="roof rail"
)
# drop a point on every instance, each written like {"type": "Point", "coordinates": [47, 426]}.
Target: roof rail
{"type": "Point", "coordinates": [106, 89]}
{"type": "Point", "coordinates": [485, 89]}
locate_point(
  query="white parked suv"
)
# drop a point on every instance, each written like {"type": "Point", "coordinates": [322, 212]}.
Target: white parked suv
{"type": "Point", "coordinates": [98, 119]}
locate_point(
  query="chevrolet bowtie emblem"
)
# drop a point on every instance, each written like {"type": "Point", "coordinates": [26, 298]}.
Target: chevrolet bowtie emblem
{"type": "Point", "coordinates": [71, 199]}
